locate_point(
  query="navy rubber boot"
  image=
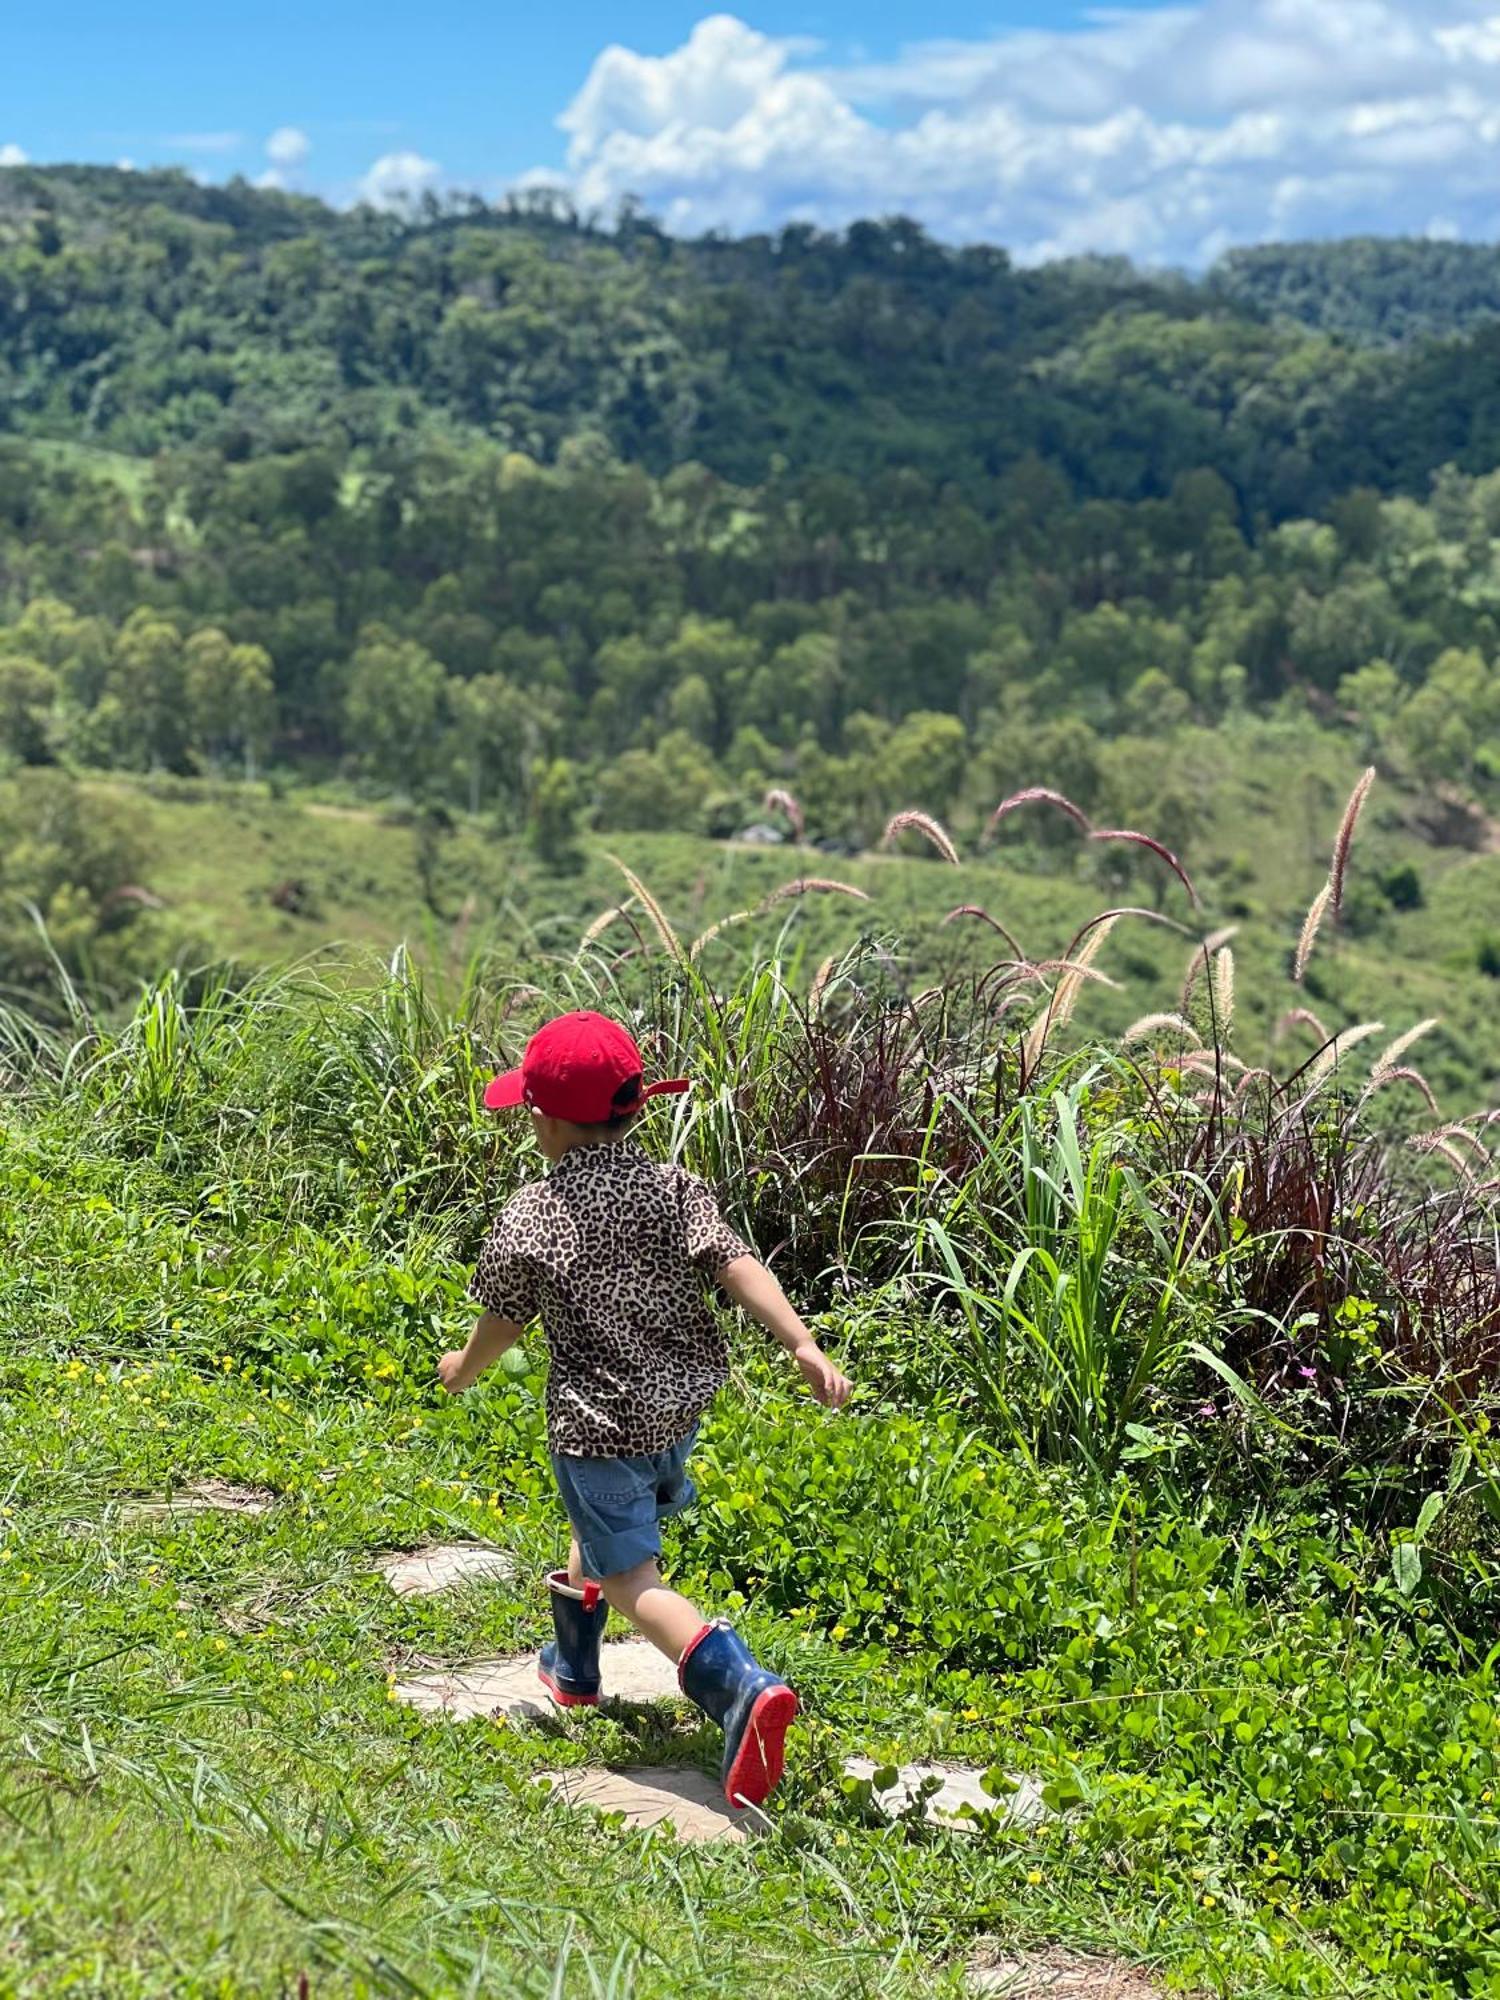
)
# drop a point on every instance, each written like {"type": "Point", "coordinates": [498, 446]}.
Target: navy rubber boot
{"type": "Point", "coordinates": [750, 1704]}
{"type": "Point", "coordinates": [569, 1664]}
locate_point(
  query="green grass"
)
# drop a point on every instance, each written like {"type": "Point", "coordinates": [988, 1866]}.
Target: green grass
{"type": "Point", "coordinates": [234, 1236]}
{"type": "Point", "coordinates": [1273, 1771]}
{"type": "Point", "coordinates": [218, 852]}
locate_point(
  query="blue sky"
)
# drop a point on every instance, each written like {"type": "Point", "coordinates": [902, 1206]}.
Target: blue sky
{"type": "Point", "coordinates": [1164, 129]}
{"type": "Point", "coordinates": [477, 87]}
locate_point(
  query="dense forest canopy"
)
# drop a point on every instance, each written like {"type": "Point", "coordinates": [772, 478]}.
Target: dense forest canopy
{"type": "Point", "coordinates": [496, 507]}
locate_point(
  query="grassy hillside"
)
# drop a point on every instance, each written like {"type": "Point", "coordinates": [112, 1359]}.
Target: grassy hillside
{"type": "Point", "coordinates": [219, 857]}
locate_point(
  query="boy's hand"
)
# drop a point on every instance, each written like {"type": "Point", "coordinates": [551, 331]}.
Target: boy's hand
{"type": "Point", "coordinates": [453, 1371]}
{"type": "Point", "coordinates": [829, 1386]}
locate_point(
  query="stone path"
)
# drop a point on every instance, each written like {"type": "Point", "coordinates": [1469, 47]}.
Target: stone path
{"type": "Point", "coordinates": [654, 1796]}
{"type": "Point", "coordinates": [633, 1672]}
{"type": "Point", "coordinates": [424, 1572]}
{"type": "Point", "coordinates": [204, 1496]}
{"type": "Point", "coordinates": [957, 1794]}
{"type": "Point", "coordinates": [1060, 1975]}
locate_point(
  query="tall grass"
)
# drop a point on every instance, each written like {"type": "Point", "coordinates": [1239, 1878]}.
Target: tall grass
{"type": "Point", "coordinates": [1087, 1225]}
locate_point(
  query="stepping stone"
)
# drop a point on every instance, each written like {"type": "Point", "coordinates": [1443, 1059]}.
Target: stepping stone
{"type": "Point", "coordinates": [424, 1572]}
{"type": "Point", "coordinates": [1060, 1975]}
{"type": "Point", "coordinates": [204, 1496]}
{"type": "Point", "coordinates": [633, 1671]}
{"type": "Point", "coordinates": [691, 1802]}
{"type": "Point", "coordinates": [957, 1788]}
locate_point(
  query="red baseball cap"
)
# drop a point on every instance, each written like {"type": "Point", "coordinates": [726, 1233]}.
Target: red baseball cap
{"type": "Point", "coordinates": [576, 1068]}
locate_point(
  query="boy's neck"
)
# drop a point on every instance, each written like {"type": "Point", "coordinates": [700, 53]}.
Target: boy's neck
{"type": "Point", "coordinates": [582, 1141]}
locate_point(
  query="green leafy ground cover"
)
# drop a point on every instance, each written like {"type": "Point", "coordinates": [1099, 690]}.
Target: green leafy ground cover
{"type": "Point", "coordinates": [1245, 1647]}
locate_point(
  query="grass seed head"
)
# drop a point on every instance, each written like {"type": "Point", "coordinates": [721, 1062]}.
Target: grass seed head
{"type": "Point", "coordinates": [1312, 923]}
{"type": "Point", "coordinates": [1345, 838]}
{"type": "Point", "coordinates": [779, 800]}
{"type": "Point", "coordinates": [1041, 795]}
{"type": "Point", "coordinates": [929, 828]}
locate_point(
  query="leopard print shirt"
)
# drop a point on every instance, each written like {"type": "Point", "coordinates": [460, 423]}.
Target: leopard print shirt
{"type": "Point", "coordinates": [614, 1251]}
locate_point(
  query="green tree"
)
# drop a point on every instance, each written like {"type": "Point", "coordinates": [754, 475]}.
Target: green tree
{"type": "Point", "coordinates": [556, 812]}
{"type": "Point", "coordinates": [395, 708]}
{"type": "Point", "coordinates": [231, 697]}
{"type": "Point", "coordinates": [28, 691]}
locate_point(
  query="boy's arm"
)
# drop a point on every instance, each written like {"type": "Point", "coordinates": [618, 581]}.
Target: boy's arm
{"type": "Point", "coordinates": [491, 1337]}
{"type": "Point", "coordinates": [751, 1285]}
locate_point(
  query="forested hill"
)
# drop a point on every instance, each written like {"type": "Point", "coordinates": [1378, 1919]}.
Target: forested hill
{"type": "Point", "coordinates": [594, 529]}
{"type": "Point", "coordinates": [1369, 288]}
{"type": "Point", "coordinates": [142, 311]}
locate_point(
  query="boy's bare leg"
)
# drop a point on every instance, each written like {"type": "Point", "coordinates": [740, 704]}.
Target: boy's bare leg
{"type": "Point", "coordinates": [669, 1620]}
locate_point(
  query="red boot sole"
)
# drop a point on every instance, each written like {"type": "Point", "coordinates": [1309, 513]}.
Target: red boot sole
{"type": "Point", "coordinates": [756, 1770]}
{"type": "Point", "coordinates": [566, 1700]}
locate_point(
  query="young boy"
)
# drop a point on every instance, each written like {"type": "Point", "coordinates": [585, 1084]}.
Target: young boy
{"type": "Point", "coordinates": [613, 1250]}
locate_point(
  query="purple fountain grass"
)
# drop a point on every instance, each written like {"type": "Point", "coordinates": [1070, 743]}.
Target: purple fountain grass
{"type": "Point", "coordinates": [1345, 838]}
{"type": "Point", "coordinates": [1390, 1057]}
{"type": "Point", "coordinates": [1301, 1017]}
{"type": "Point", "coordinates": [1223, 991]}
{"type": "Point", "coordinates": [920, 822]}
{"type": "Point", "coordinates": [1151, 1025]}
{"type": "Point", "coordinates": [1153, 846]}
{"type": "Point", "coordinates": [984, 917]}
{"type": "Point", "coordinates": [1312, 923]}
{"type": "Point", "coordinates": [1381, 1079]}
{"type": "Point", "coordinates": [1201, 956]}
{"type": "Point", "coordinates": [1041, 795]}
{"type": "Point", "coordinates": [809, 885]}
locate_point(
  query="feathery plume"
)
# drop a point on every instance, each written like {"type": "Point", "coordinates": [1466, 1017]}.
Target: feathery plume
{"type": "Point", "coordinates": [1400, 1073]}
{"type": "Point", "coordinates": [927, 826]}
{"type": "Point", "coordinates": [1209, 1062]}
{"type": "Point", "coordinates": [1201, 956]}
{"type": "Point", "coordinates": [702, 942]}
{"type": "Point", "coordinates": [1312, 923]}
{"type": "Point", "coordinates": [1301, 1017]}
{"type": "Point", "coordinates": [1059, 1009]}
{"type": "Point", "coordinates": [974, 910]}
{"type": "Point", "coordinates": [1070, 968]}
{"type": "Point", "coordinates": [652, 908]}
{"type": "Point", "coordinates": [1469, 1137]}
{"type": "Point", "coordinates": [1328, 1058]}
{"type": "Point", "coordinates": [601, 924]}
{"type": "Point", "coordinates": [1389, 1058]}
{"type": "Point", "coordinates": [778, 800]}
{"type": "Point", "coordinates": [820, 981]}
{"type": "Point", "coordinates": [1224, 991]}
{"type": "Point", "coordinates": [1433, 1142]}
{"type": "Point", "coordinates": [1345, 838]}
{"type": "Point", "coordinates": [1155, 847]}
{"type": "Point", "coordinates": [1151, 1025]}
{"type": "Point", "coordinates": [1040, 795]}
{"type": "Point", "coordinates": [809, 885]}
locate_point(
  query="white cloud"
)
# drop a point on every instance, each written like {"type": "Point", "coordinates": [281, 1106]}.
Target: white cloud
{"type": "Point", "coordinates": [12, 155]}
{"type": "Point", "coordinates": [396, 178]}
{"type": "Point", "coordinates": [288, 146]}
{"type": "Point", "coordinates": [271, 178]}
{"type": "Point", "coordinates": [1170, 133]}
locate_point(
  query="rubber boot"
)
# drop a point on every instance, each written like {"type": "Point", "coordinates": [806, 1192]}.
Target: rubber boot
{"type": "Point", "coordinates": [569, 1664]}
{"type": "Point", "coordinates": [753, 1708]}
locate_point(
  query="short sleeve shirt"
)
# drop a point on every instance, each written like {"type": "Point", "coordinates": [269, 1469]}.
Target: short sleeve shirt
{"type": "Point", "coordinates": [614, 1252]}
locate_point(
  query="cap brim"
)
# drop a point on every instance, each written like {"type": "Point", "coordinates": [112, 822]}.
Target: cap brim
{"type": "Point", "coordinates": [670, 1086]}
{"type": "Point", "coordinates": [504, 1093]}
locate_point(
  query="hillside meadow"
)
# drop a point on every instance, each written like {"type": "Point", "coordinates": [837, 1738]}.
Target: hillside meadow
{"type": "Point", "coordinates": [1169, 1483]}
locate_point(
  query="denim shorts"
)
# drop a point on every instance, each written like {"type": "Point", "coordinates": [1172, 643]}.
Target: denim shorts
{"type": "Point", "coordinates": [616, 1505]}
